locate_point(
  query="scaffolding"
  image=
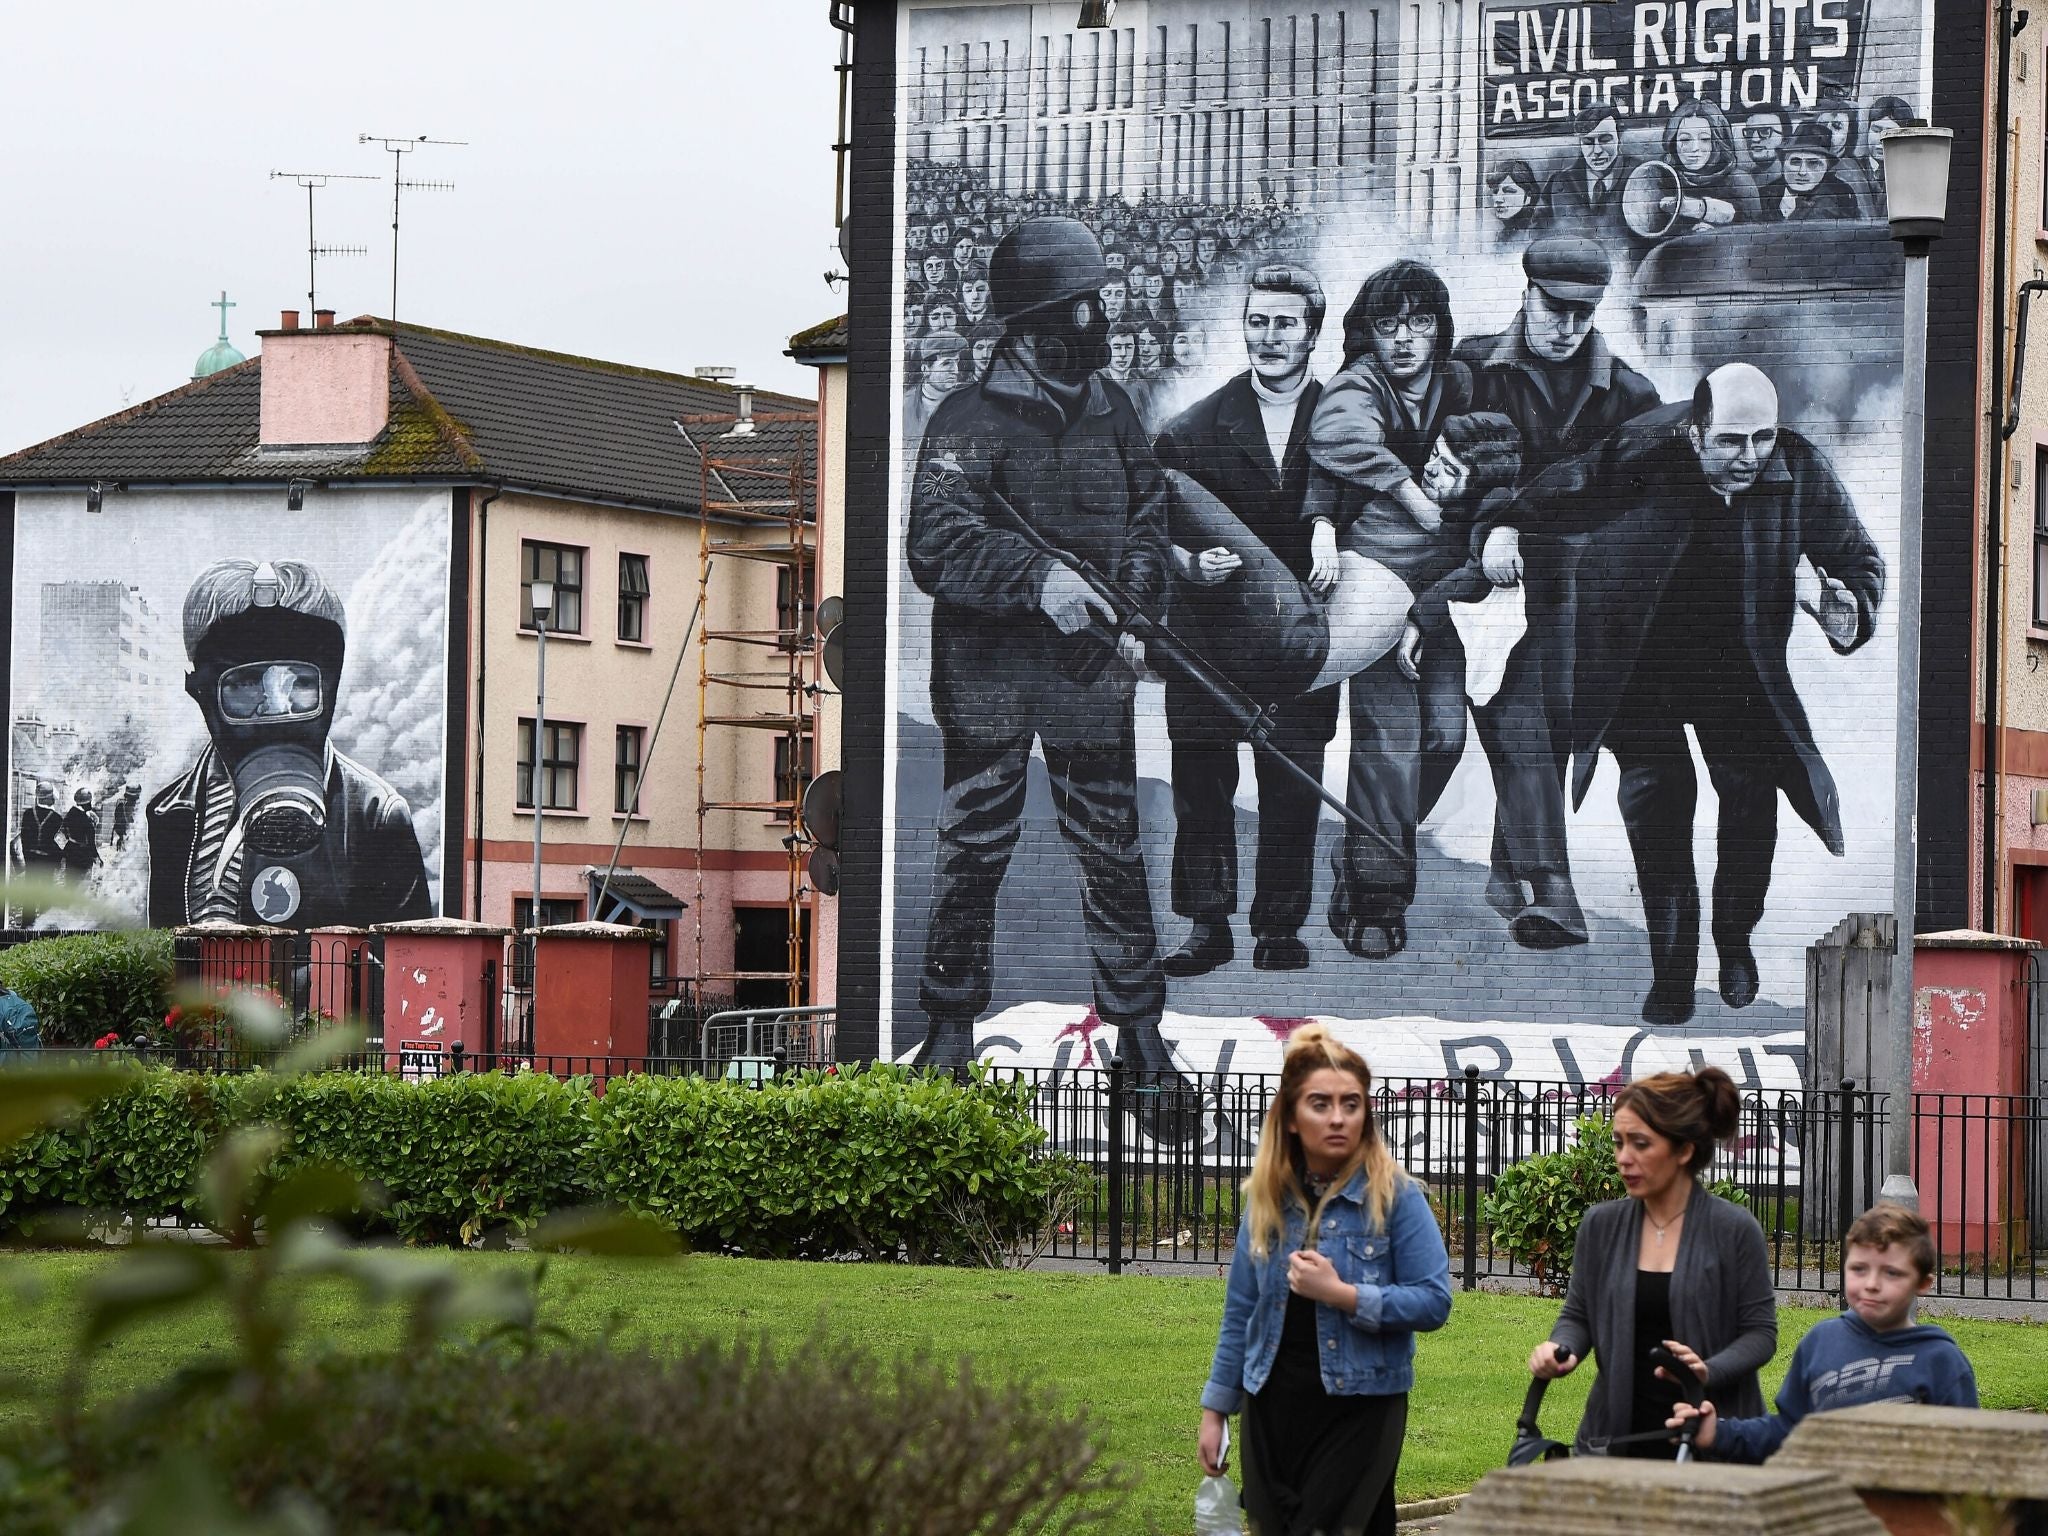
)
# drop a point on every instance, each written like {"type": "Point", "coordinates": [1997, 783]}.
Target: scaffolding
{"type": "Point", "coordinates": [756, 506]}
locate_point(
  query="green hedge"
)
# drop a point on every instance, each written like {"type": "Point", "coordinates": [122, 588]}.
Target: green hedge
{"type": "Point", "coordinates": [84, 984]}
{"type": "Point", "coordinates": [876, 1162]}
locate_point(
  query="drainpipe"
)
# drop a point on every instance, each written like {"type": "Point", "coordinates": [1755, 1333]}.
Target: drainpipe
{"type": "Point", "coordinates": [483, 667]}
{"type": "Point", "coordinates": [1994, 523]}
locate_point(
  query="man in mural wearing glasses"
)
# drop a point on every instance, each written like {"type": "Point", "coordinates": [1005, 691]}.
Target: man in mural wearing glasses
{"type": "Point", "coordinates": [272, 824]}
{"type": "Point", "coordinates": [1022, 479]}
{"type": "Point", "coordinates": [1554, 376]}
{"type": "Point", "coordinates": [1726, 526]}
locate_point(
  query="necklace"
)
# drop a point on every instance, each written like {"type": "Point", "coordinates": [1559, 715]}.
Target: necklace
{"type": "Point", "coordinates": [1663, 1226]}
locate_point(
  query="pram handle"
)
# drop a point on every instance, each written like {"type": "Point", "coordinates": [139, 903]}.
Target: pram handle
{"type": "Point", "coordinates": [1532, 1400]}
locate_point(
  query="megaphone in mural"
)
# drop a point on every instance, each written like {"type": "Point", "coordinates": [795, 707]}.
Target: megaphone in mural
{"type": "Point", "coordinates": [1650, 199]}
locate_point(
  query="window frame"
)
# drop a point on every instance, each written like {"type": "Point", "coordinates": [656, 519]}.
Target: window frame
{"type": "Point", "coordinates": [523, 766]}
{"type": "Point", "coordinates": [796, 610]}
{"type": "Point", "coordinates": [622, 808]}
{"type": "Point", "coordinates": [529, 573]}
{"type": "Point", "coordinates": [2037, 620]}
{"type": "Point", "coordinates": [780, 769]}
{"type": "Point", "coordinates": [644, 598]}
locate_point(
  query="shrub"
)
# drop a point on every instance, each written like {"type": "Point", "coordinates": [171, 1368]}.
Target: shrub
{"type": "Point", "coordinates": [731, 1439]}
{"type": "Point", "coordinates": [84, 984]}
{"type": "Point", "coordinates": [876, 1163]}
{"type": "Point", "coordinates": [451, 1156]}
{"type": "Point", "coordinates": [871, 1162]}
{"type": "Point", "coordinates": [1537, 1204]}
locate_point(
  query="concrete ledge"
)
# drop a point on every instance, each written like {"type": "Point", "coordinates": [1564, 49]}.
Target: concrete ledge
{"type": "Point", "coordinates": [1970, 938]}
{"type": "Point", "coordinates": [444, 927]}
{"type": "Point", "coordinates": [1938, 1452]}
{"type": "Point", "coordinates": [1597, 1495]}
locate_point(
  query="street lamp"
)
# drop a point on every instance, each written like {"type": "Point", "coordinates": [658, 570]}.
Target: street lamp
{"type": "Point", "coordinates": [1916, 204]}
{"type": "Point", "coordinates": [540, 596]}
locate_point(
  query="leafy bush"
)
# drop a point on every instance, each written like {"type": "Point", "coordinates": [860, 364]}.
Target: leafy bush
{"type": "Point", "coordinates": [822, 1439]}
{"type": "Point", "coordinates": [876, 1163]}
{"type": "Point", "coordinates": [868, 1162]}
{"type": "Point", "coordinates": [1537, 1204]}
{"type": "Point", "coordinates": [84, 984]}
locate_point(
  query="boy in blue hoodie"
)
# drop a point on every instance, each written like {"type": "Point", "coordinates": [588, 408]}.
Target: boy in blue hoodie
{"type": "Point", "coordinates": [1873, 1353]}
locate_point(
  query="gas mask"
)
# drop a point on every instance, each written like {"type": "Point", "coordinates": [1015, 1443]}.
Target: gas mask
{"type": "Point", "coordinates": [1070, 337]}
{"type": "Point", "coordinates": [265, 681]}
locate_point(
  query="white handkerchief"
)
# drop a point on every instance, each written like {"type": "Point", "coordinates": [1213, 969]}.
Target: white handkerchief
{"type": "Point", "coordinates": [1490, 629]}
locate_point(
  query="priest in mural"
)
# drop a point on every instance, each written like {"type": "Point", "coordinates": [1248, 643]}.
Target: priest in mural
{"type": "Point", "coordinates": [272, 824]}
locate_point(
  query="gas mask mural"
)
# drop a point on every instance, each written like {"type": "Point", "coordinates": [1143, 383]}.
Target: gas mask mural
{"type": "Point", "coordinates": [273, 824]}
{"type": "Point", "coordinates": [233, 717]}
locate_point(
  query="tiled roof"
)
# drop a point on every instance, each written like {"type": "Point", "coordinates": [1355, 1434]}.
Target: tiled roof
{"type": "Point", "coordinates": [820, 342]}
{"type": "Point", "coordinates": [463, 409]}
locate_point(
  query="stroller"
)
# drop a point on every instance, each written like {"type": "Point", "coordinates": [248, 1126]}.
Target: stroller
{"type": "Point", "coordinates": [1531, 1446]}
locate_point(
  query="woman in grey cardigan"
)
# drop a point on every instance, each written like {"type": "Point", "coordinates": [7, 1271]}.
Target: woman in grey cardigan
{"type": "Point", "coordinates": [1669, 1263]}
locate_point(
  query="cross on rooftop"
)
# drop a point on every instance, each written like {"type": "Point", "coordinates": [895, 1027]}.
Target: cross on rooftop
{"type": "Point", "coordinates": [223, 304]}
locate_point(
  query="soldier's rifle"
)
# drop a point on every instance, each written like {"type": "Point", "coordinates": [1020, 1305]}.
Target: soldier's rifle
{"type": "Point", "coordinates": [1166, 652]}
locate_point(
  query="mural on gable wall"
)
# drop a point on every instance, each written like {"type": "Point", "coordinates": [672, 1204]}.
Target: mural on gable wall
{"type": "Point", "coordinates": [1394, 510]}
{"type": "Point", "coordinates": [225, 712]}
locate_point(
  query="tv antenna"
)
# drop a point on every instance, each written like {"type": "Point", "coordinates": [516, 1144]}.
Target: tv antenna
{"type": "Point", "coordinates": [398, 149]}
{"type": "Point", "coordinates": [314, 250]}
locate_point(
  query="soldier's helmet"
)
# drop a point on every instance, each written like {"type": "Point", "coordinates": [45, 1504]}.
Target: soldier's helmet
{"type": "Point", "coordinates": [1042, 261]}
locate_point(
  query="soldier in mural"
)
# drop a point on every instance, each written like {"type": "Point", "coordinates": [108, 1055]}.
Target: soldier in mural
{"type": "Point", "coordinates": [1247, 444]}
{"type": "Point", "coordinates": [1040, 455]}
{"type": "Point", "coordinates": [38, 844]}
{"type": "Point", "coordinates": [272, 824]}
{"type": "Point", "coordinates": [1718, 504]}
{"type": "Point", "coordinates": [1553, 374]}
{"type": "Point", "coordinates": [81, 838]}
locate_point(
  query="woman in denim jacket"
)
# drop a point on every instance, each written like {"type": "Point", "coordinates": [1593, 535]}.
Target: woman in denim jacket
{"type": "Point", "coordinates": [1339, 1264]}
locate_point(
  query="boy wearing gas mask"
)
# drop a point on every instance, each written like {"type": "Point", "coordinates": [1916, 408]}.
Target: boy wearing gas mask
{"type": "Point", "coordinates": [272, 825]}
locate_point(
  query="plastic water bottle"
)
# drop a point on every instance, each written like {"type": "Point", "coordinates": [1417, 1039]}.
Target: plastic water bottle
{"type": "Point", "coordinates": [1216, 1508]}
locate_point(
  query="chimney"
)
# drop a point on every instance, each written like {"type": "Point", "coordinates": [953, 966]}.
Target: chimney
{"type": "Point", "coordinates": [288, 321]}
{"type": "Point", "coordinates": [744, 426]}
{"type": "Point", "coordinates": [325, 387]}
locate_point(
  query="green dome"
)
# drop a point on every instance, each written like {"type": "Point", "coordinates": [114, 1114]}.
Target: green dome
{"type": "Point", "coordinates": [216, 357]}
{"type": "Point", "coordinates": [220, 355]}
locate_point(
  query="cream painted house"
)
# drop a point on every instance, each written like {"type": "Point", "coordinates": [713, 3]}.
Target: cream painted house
{"type": "Point", "coordinates": [426, 479]}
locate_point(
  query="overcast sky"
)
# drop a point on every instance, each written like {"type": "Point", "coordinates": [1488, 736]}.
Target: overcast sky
{"type": "Point", "coordinates": [648, 181]}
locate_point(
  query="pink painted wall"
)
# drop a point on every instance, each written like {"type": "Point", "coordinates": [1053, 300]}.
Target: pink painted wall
{"type": "Point", "coordinates": [1969, 1069]}
{"type": "Point", "coordinates": [325, 386]}
{"type": "Point", "coordinates": [434, 991]}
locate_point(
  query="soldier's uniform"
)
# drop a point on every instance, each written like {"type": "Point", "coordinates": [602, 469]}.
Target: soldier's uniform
{"type": "Point", "coordinates": [1070, 456]}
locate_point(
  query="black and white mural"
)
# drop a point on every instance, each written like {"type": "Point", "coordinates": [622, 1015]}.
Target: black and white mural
{"type": "Point", "coordinates": [235, 713]}
{"type": "Point", "coordinates": [1395, 508]}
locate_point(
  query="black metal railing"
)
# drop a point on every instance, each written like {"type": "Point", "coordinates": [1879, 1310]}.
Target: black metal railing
{"type": "Point", "coordinates": [1165, 1161]}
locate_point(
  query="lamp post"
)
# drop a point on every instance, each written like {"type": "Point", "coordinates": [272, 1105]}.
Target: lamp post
{"type": "Point", "coordinates": [1916, 204]}
{"type": "Point", "coordinates": [541, 596]}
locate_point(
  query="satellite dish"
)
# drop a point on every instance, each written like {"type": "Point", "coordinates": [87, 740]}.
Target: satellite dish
{"type": "Point", "coordinates": [833, 650]}
{"type": "Point", "coordinates": [846, 241]}
{"type": "Point", "coordinates": [824, 871]}
{"type": "Point", "coordinates": [822, 801]}
{"type": "Point", "coordinates": [831, 613]}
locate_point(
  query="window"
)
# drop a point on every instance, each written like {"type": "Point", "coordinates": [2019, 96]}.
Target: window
{"type": "Point", "coordinates": [562, 565]}
{"type": "Point", "coordinates": [2040, 538]}
{"type": "Point", "coordinates": [796, 610]}
{"type": "Point", "coordinates": [792, 770]}
{"type": "Point", "coordinates": [626, 769]}
{"type": "Point", "coordinates": [553, 910]}
{"type": "Point", "coordinates": [633, 598]}
{"type": "Point", "coordinates": [562, 753]}
{"type": "Point", "coordinates": [657, 952]}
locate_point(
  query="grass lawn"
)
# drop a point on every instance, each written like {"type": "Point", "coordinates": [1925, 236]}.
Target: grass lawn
{"type": "Point", "coordinates": [1135, 1350]}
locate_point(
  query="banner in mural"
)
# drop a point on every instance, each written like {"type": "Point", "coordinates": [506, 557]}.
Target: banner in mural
{"type": "Point", "coordinates": [225, 714]}
{"type": "Point", "coordinates": [1393, 515]}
